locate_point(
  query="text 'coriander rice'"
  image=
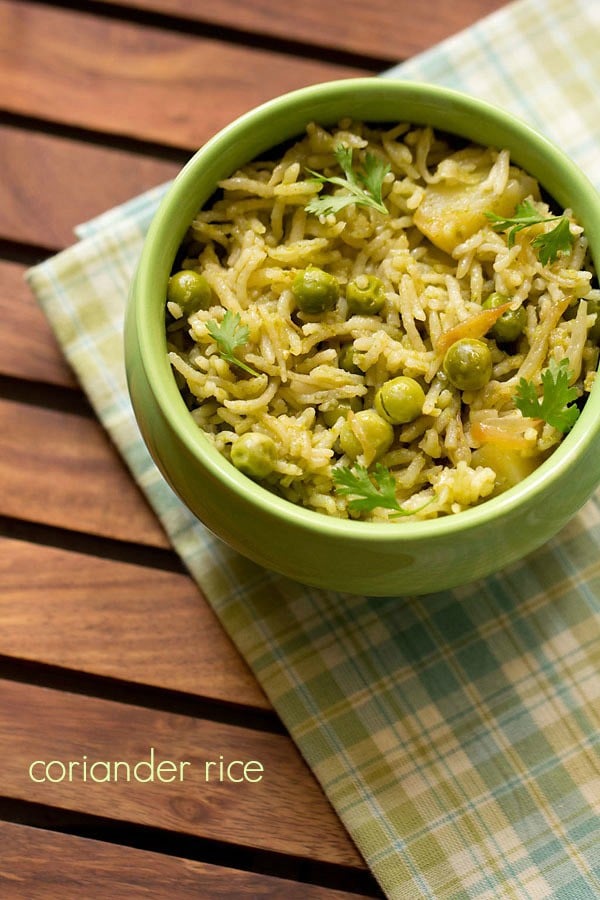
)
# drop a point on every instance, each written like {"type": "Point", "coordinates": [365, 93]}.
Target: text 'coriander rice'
{"type": "Point", "coordinates": [384, 324]}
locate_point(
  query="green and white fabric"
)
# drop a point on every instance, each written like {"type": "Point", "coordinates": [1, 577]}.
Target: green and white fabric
{"type": "Point", "coordinates": [457, 734]}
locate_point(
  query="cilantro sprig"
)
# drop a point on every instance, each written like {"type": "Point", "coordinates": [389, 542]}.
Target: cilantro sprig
{"type": "Point", "coordinates": [549, 244]}
{"type": "Point", "coordinates": [229, 335]}
{"type": "Point", "coordinates": [368, 490]}
{"type": "Point", "coordinates": [555, 405]}
{"type": "Point", "coordinates": [363, 186]}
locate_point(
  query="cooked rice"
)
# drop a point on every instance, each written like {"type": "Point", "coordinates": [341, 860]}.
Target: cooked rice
{"type": "Point", "coordinates": [255, 238]}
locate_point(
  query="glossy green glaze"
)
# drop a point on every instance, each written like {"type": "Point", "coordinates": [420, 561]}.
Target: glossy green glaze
{"type": "Point", "coordinates": [388, 559]}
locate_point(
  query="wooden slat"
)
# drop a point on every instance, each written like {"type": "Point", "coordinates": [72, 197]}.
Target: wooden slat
{"type": "Point", "coordinates": [379, 28]}
{"type": "Point", "coordinates": [61, 469]}
{"type": "Point", "coordinates": [51, 68]}
{"type": "Point", "coordinates": [51, 183]}
{"type": "Point", "coordinates": [285, 811]}
{"type": "Point", "coordinates": [28, 348]}
{"type": "Point", "coordinates": [38, 863]}
{"type": "Point", "coordinates": [119, 620]}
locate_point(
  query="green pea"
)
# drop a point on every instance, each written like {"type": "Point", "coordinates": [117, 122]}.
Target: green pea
{"type": "Point", "coordinates": [340, 409]}
{"type": "Point", "coordinates": [511, 323]}
{"type": "Point", "coordinates": [365, 295]}
{"type": "Point", "coordinates": [378, 434]}
{"type": "Point", "coordinates": [468, 364]}
{"type": "Point", "coordinates": [254, 454]}
{"type": "Point", "coordinates": [190, 290]}
{"type": "Point", "coordinates": [315, 291]}
{"type": "Point", "coordinates": [346, 360]}
{"type": "Point", "coordinates": [400, 400]}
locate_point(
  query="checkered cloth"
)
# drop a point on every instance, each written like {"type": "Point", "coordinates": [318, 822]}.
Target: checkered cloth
{"type": "Point", "coordinates": [455, 734]}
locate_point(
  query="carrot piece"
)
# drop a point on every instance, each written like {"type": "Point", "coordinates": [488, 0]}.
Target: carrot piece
{"type": "Point", "coordinates": [474, 327]}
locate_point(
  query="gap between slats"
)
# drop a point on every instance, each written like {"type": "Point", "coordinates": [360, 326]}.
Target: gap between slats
{"type": "Point", "coordinates": [223, 31]}
{"type": "Point", "coordinates": [81, 542]}
{"type": "Point", "coordinates": [146, 696]}
{"type": "Point", "coordinates": [184, 71]}
{"type": "Point", "coordinates": [236, 858]}
{"type": "Point", "coordinates": [375, 34]}
{"type": "Point", "coordinates": [282, 810]}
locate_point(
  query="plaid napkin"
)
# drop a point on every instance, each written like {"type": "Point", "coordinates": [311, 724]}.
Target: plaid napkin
{"type": "Point", "coordinates": [457, 734]}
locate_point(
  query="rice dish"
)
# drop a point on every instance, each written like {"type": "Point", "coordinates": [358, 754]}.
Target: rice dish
{"type": "Point", "coordinates": [395, 359]}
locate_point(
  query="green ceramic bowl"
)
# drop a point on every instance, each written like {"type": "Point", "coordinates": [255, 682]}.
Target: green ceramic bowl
{"type": "Point", "coordinates": [365, 558]}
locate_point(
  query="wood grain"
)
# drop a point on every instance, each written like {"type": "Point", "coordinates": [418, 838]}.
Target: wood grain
{"type": "Point", "coordinates": [379, 29]}
{"type": "Point", "coordinates": [41, 204]}
{"type": "Point", "coordinates": [61, 469]}
{"type": "Point", "coordinates": [285, 811]}
{"type": "Point", "coordinates": [119, 620]}
{"type": "Point", "coordinates": [45, 865]}
{"type": "Point", "coordinates": [50, 67]}
{"type": "Point", "coordinates": [28, 348]}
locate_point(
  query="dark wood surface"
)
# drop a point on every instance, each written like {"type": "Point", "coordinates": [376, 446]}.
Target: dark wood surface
{"type": "Point", "coordinates": [107, 647]}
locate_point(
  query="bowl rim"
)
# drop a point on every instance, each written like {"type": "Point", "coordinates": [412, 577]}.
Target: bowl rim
{"type": "Point", "coordinates": [175, 412]}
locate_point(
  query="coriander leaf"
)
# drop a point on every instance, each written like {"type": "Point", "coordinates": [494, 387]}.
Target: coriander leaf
{"type": "Point", "coordinates": [330, 203]}
{"type": "Point", "coordinates": [372, 176]}
{"type": "Point", "coordinates": [550, 244]}
{"type": "Point", "coordinates": [368, 490]}
{"type": "Point", "coordinates": [525, 215]}
{"type": "Point", "coordinates": [230, 335]}
{"type": "Point", "coordinates": [553, 242]}
{"type": "Point", "coordinates": [363, 187]}
{"type": "Point", "coordinates": [344, 157]}
{"type": "Point", "coordinates": [553, 407]}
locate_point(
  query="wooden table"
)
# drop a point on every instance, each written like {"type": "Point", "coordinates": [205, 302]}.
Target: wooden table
{"type": "Point", "coordinates": [107, 649]}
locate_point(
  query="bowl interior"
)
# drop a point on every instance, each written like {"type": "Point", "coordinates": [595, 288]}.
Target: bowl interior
{"type": "Point", "coordinates": [371, 100]}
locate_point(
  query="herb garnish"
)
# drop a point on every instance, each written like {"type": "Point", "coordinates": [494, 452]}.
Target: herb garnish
{"type": "Point", "coordinates": [554, 406]}
{"type": "Point", "coordinates": [362, 187]}
{"type": "Point", "coordinates": [368, 490]}
{"type": "Point", "coordinates": [229, 335]}
{"type": "Point", "coordinates": [550, 244]}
